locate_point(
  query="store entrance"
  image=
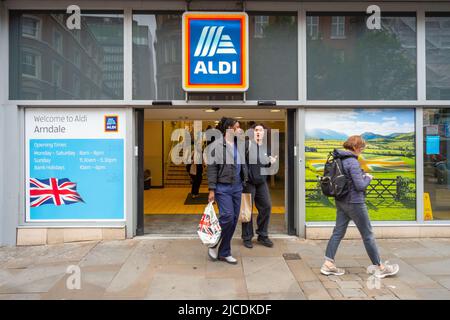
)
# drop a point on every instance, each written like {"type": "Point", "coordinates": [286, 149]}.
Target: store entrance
{"type": "Point", "coordinates": [168, 206]}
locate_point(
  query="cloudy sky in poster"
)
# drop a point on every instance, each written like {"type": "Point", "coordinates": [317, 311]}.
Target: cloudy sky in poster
{"type": "Point", "coordinates": [358, 121]}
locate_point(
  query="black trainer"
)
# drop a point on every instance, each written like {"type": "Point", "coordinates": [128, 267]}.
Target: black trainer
{"type": "Point", "coordinates": [248, 244]}
{"type": "Point", "coordinates": [265, 241]}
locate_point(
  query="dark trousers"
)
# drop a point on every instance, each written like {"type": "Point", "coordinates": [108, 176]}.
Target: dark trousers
{"type": "Point", "coordinates": [358, 213]}
{"type": "Point", "coordinates": [261, 198]}
{"type": "Point", "coordinates": [196, 180]}
{"type": "Point", "coordinates": [228, 198]}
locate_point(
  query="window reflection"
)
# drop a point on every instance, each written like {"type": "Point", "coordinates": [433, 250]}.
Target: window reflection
{"type": "Point", "coordinates": [438, 57]}
{"type": "Point", "coordinates": [437, 162]}
{"type": "Point", "coordinates": [157, 57]}
{"type": "Point", "coordinates": [49, 61]}
{"type": "Point", "coordinates": [273, 57]}
{"type": "Point", "coordinates": [347, 61]}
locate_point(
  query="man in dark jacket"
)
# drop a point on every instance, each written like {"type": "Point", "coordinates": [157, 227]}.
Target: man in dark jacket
{"type": "Point", "coordinates": [259, 188]}
{"type": "Point", "coordinates": [227, 176]}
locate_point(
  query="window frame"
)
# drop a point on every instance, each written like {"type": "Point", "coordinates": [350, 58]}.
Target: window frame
{"type": "Point", "coordinates": [38, 64]}
{"type": "Point", "coordinates": [313, 25]}
{"type": "Point", "coordinates": [260, 24]}
{"type": "Point", "coordinates": [59, 47]}
{"type": "Point", "coordinates": [38, 35]}
{"type": "Point", "coordinates": [57, 79]}
{"type": "Point", "coordinates": [335, 26]}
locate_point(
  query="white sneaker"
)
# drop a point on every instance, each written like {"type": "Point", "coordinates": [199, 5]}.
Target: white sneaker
{"type": "Point", "coordinates": [333, 270]}
{"type": "Point", "coordinates": [213, 253]}
{"type": "Point", "coordinates": [389, 270]}
{"type": "Point", "coordinates": [229, 259]}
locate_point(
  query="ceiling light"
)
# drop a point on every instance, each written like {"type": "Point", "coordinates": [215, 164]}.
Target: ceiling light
{"type": "Point", "coordinates": [275, 110]}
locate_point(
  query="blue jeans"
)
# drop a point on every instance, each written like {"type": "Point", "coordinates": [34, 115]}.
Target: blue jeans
{"type": "Point", "coordinates": [358, 213]}
{"type": "Point", "coordinates": [228, 198]}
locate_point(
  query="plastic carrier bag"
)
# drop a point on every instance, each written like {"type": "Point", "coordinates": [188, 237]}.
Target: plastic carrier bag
{"type": "Point", "coordinates": [209, 229]}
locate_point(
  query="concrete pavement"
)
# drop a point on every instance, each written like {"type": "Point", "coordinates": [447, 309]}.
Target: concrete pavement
{"type": "Point", "coordinates": [180, 269]}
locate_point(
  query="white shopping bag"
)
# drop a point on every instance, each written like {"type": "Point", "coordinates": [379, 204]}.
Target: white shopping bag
{"type": "Point", "coordinates": [209, 229]}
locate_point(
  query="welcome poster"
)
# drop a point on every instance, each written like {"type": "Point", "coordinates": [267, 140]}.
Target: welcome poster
{"type": "Point", "coordinates": [75, 164]}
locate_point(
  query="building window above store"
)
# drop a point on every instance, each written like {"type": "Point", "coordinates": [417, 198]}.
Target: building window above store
{"type": "Point", "coordinates": [337, 27]}
{"type": "Point", "coordinates": [261, 22]}
{"type": "Point", "coordinates": [31, 27]}
{"type": "Point", "coordinates": [273, 57]}
{"type": "Point", "coordinates": [42, 39]}
{"type": "Point", "coordinates": [31, 64]}
{"type": "Point", "coordinates": [349, 61]}
{"type": "Point", "coordinates": [312, 25]}
{"type": "Point", "coordinates": [438, 56]}
{"type": "Point", "coordinates": [157, 56]}
{"type": "Point", "coordinates": [58, 41]}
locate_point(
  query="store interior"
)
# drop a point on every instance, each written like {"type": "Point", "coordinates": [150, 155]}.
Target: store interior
{"type": "Point", "coordinates": [169, 208]}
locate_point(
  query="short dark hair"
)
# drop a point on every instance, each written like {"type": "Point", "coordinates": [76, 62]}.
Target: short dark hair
{"type": "Point", "coordinates": [226, 123]}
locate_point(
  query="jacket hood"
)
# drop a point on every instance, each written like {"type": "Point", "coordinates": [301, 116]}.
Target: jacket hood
{"type": "Point", "coordinates": [343, 153]}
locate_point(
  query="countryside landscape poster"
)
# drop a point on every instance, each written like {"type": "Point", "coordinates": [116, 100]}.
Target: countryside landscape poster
{"type": "Point", "coordinates": [389, 156]}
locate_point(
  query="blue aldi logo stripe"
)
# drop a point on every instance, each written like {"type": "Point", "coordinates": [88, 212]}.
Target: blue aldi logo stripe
{"type": "Point", "coordinates": [215, 51]}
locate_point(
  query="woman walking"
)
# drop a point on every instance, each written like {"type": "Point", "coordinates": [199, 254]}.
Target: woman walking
{"type": "Point", "coordinates": [353, 207]}
{"type": "Point", "coordinates": [225, 183]}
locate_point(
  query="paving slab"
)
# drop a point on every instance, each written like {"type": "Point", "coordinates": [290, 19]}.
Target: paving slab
{"type": "Point", "coordinates": [268, 275]}
{"type": "Point", "coordinates": [135, 274]}
{"type": "Point", "coordinates": [352, 293]}
{"type": "Point", "coordinates": [440, 246]}
{"type": "Point", "coordinates": [218, 269]}
{"type": "Point", "coordinates": [178, 287]}
{"type": "Point", "coordinates": [20, 296]}
{"type": "Point", "coordinates": [180, 269]}
{"type": "Point", "coordinates": [349, 284]}
{"type": "Point", "coordinates": [433, 294]}
{"type": "Point", "coordinates": [278, 296]}
{"type": "Point", "coordinates": [400, 289]}
{"type": "Point", "coordinates": [334, 293]}
{"type": "Point", "coordinates": [437, 267]}
{"type": "Point", "coordinates": [94, 281]}
{"type": "Point", "coordinates": [35, 279]}
{"type": "Point", "coordinates": [314, 290]}
{"type": "Point", "coordinates": [109, 253]}
{"type": "Point", "coordinates": [443, 281]}
{"type": "Point", "coordinates": [301, 271]}
{"type": "Point", "coordinates": [413, 277]}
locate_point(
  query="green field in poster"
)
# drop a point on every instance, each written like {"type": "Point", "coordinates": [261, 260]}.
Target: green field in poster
{"type": "Point", "coordinates": [389, 157]}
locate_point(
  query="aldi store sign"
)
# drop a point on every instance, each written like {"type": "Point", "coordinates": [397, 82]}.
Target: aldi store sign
{"type": "Point", "coordinates": [215, 51]}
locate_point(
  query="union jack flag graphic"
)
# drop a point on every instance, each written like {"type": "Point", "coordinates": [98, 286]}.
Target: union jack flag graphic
{"type": "Point", "coordinates": [205, 225]}
{"type": "Point", "coordinates": [209, 225]}
{"type": "Point", "coordinates": [53, 191]}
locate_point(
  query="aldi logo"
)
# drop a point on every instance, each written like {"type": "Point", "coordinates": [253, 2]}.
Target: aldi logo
{"type": "Point", "coordinates": [112, 123]}
{"type": "Point", "coordinates": [215, 51]}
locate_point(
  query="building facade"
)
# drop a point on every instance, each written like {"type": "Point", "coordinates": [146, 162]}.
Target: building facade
{"type": "Point", "coordinates": [331, 70]}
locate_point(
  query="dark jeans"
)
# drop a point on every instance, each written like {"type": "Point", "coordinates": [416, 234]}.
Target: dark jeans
{"type": "Point", "coordinates": [197, 180]}
{"type": "Point", "coordinates": [261, 197]}
{"type": "Point", "coordinates": [228, 198]}
{"type": "Point", "coordinates": [358, 213]}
